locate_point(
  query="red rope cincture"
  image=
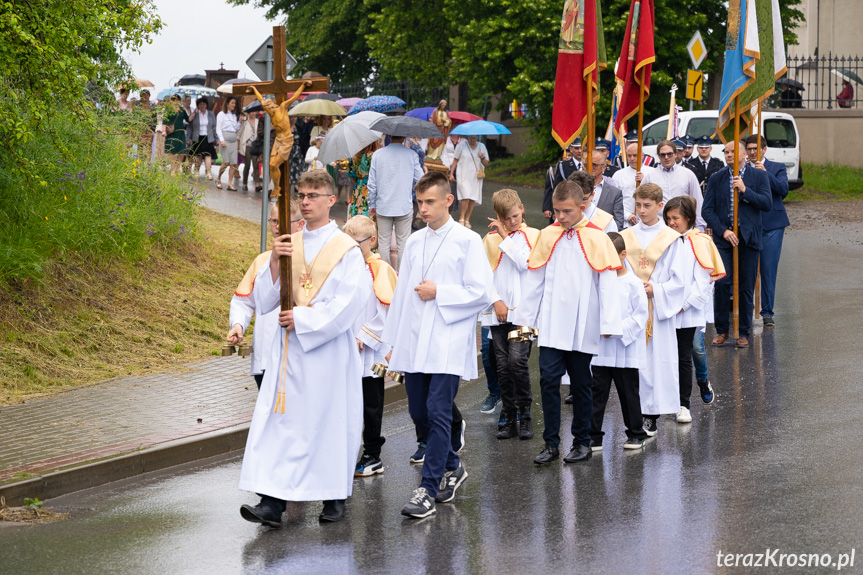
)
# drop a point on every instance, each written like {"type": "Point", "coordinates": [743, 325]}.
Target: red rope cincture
{"type": "Point", "coordinates": [713, 276]}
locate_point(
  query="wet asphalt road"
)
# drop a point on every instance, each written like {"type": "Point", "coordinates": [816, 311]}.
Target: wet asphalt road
{"type": "Point", "coordinates": [775, 463]}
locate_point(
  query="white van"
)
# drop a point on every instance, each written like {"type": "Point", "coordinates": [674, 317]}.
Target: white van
{"type": "Point", "coordinates": [780, 129]}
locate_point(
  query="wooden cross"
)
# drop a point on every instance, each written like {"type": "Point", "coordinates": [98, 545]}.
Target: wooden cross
{"type": "Point", "coordinates": [280, 155]}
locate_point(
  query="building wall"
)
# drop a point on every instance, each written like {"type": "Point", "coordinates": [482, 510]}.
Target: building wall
{"type": "Point", "coordinates": [830, 136]}
{"type": "Point", "coordinates": [839, 26]}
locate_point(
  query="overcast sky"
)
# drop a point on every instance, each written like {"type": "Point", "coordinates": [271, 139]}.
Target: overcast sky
{"type": "Point", "coordinates": [197, 35]}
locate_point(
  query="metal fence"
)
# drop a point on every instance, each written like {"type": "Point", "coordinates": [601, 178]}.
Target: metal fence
{"type": "Point", "coordinates": [821, 82]}
{"type": "Point", "coordinates": [415, 97]}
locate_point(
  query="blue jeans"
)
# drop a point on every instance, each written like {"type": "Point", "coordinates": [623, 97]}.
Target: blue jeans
{"type": "Point", "coordinates": [430, 403]}
{"type": "Point", "coordinates": [699, 358]}
{"type": "Point", "coordinates": [489, 363]}
{"type": "Point", "coordinates": [771, 249]}
{"type": "Point", "coordinates": [553, 363]}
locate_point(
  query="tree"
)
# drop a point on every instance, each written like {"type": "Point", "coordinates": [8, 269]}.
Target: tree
{"type": "Point", "coordinates": [55, 55]}
{"type": "Point", "coordinates": [328, 36]}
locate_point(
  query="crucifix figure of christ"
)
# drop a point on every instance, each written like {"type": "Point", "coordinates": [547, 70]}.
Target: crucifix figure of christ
{"type": "Point", "coordinates": [280, 87]}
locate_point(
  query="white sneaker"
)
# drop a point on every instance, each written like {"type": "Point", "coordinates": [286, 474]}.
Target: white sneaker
{"type": "Point", "coordinates": [683, 416]}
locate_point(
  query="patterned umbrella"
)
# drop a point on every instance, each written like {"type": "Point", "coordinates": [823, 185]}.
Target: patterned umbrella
{"type": "Point", "coordinates": [194, 91]}
{"type": "Point", "coordinates": [377, 104]}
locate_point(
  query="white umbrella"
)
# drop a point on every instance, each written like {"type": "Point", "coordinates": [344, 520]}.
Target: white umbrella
{"type": "Point", "coordinates": [349, 137]}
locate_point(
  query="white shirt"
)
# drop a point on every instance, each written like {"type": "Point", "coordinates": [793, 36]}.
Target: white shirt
{"type": "Point", "coordinates": [226, 122]}
{"type": "Point", "coordinates": [508, 276]}
{"type": "Point", "coordinates": [448, 153]}
{"type": "Point", "coordinates": [678, 180]}
{"type": "Point", "coordinates": [203, 122]}
{"type": "Point", "coordinates": [439, 335]}
{"type": "Point", "coordinates": [312, 159]}
{"type": "Point", "coordinates": [392, 175]}
{"type": "Point", "coordinates": [625, 180]}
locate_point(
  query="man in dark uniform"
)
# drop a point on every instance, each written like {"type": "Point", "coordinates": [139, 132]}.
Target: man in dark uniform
{"type": "Point", "coordinates": [558, 175]}
{"type": "Point", "coordinates": [687, 153]}
{"type": "Point", "coordinates": [679, 150]}
{"type": "Point", "coordinates": [703, 164]}
{"type": "Point", "coordinates": [603, 146]}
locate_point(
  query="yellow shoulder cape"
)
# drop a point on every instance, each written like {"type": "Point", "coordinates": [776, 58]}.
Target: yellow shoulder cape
{"type": "Point", "coordinates": [383, 279]}
{"type": "Point", "coordinates": [492, 241]}
{"type": "Point", "coordinates": [706, 253]}
{"type": "Point", "coordinates": [326, 260]}
{"type": "Point", "coordinates": [601, 219]}
{"type": "Point", "coordinates": [247, 284]}
{"type": "Point", "coordinates": [595, 245]}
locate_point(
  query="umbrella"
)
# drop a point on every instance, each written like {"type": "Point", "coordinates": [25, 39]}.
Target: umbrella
{"type": "Point", "coordinates": [395, 112]}
{"type": "Point", "coordinates": [348, 103]}
{"type": "Point", "coordinates": [317, 108]}
{"type": "Point", "coordinates": [377, 104]}
{"type": "Point", "coordinates": [253, 107]}
{"type": "Point", "coordinates": [421, 113]}
{"type": "Point", "coordinates": [480, 128]}
{"type": "Point", "coordinates": [789, 82]}
{"type": "Point", "coordinates": [349, 137]}
{"type": "Point", "coordinates": [407, 127]}
{"type": "Point", "coordinates": [142, 83]}
{"type": "Point", "coordinates": [227, 87]}
{"type": "Point", "coordinates": [320, 96]}
{"type": "Point", "coordinates": [164, 94]}
{"type": "Point", "coordinates": [194, 91]}
{"type": "Point", "coordinates": [192, 80]}
{"type": "Point", "coordinates": [462, 117]}
{"type": "Point", "coordinates": [848, 75]}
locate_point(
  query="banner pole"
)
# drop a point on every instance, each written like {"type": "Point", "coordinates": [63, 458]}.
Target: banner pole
{"type": "Point", "coordinates": [736, 251]}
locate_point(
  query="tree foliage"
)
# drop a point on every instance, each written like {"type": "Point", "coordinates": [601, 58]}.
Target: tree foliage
{"type": "Point", "coordinates": [60, 55]}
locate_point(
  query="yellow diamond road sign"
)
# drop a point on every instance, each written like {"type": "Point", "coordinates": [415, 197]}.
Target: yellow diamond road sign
{"type": "Point", "coordinates": [697, 50]}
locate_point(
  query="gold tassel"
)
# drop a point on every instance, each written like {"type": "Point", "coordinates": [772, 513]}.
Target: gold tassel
{"type": "Point", "coordinates": [649, 329]}
{"type": "Point", "coordinates": [283, 374]}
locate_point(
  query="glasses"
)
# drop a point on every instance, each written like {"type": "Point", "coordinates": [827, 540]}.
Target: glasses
{"type": "Point", "coordinates": [752, 149]}
{"type": "Point", "coordinates": [365, 240]}
{"type": "Point", "coordinates": [666, 154]}
{"type": "Point", "coordinates": [312, 196]}
{"type": "Point", "coordinates": [275, 221]}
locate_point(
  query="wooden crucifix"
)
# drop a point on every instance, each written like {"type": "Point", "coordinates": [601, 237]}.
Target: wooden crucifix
{"type": "Point", "coordinates": [280, 155]}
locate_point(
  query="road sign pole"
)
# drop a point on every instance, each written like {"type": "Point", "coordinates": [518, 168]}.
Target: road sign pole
{"type": "Point", "coordinates": [265, 192]}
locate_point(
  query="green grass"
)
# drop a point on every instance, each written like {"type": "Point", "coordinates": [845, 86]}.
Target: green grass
{"type": "Point", "coordinates": [829, 183]}
{"type": "Point", "coordinates": [527, 170]}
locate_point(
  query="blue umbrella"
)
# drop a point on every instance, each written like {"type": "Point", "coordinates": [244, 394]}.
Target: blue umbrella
{"type": "Point", "coordinates": [480, 128]}
{"type": "Point", "coordinates": [421, 113]}
{"type": "Point", "coordinates": [377, 104]}
{"type": "Point", "coordinates": [163, 94]}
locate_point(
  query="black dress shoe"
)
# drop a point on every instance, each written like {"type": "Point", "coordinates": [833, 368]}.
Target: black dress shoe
{"type": "Point", "coordinates": [262, 514]}
{"type": "Point", "coordinates": [548, 454]}
{"type": "Point", "coordinates": [334, 510]}
{"type": "Point", "coordinates": [579, 452]}
{"type": "Point", "coordinates": [568, 399]}
{"type": "Point", "coordinates": [525, 427]}
{"type": "Point", "coordinates": [509, 430]}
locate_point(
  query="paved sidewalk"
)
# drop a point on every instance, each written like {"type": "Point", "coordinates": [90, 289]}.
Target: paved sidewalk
{"type": "Point", "coordinates": [124, 415]}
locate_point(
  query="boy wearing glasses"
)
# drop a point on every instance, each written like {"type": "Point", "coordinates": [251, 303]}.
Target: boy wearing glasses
{"type": "Point", "coordinates": [305, 431]}
{"type": "Point", "coordinates": [368, 330]}
{"type": "Point", "coordinates": [245, 304]}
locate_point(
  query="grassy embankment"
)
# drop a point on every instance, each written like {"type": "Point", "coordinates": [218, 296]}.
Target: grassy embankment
{"type": "Point", "coordinates": [107, 266]}
{"type": "Point", "coordinates": [830, 183]}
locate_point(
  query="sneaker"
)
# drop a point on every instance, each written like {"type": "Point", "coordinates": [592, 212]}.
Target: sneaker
{"type": "Point", "coordinates": [450, 482]}
{"type": "Point", "coordinates": [501, 422]}
{"type": "Point", "coordinates": [420, 455]}
{"type": "Point", "coordinates": [769, 321]}
{"type": "Point", "coordinates": [707, 395]}
{"type": "Point", "coordinates": [525, 428]}
{"type": "Point", "coordinates": [460, 445]}
{"type": "Point", "coordinates": [632, 443]}
{"type": "Point", "coordinates": [509, 430]}
{"type": "Point", "coordinates": [684, 416]}
{"type": "Point", "coordinates": [420, 505]}
{"type": "Point", "coordinates": [649, 425]}
{"type": "Point", "coordinates": [368, 466]}
{"type": "Point", "coordinates": [489, 404]}
{"type": "Point", "coordinates": [594, 446]}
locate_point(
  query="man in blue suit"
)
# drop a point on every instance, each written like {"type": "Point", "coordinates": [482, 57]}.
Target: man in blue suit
{"type": "Point", "coordinates": [774, 223]}
{"type": "Point", "coordinates": [753, 193]}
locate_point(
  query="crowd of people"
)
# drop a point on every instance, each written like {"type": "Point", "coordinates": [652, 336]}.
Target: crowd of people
{"type": "Point", "coordinates": [617, 289]}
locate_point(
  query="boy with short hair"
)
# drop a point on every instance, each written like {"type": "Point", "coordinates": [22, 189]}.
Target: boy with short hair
{"type": "Point", "coordinates": [652, 254]}
{"type": "Point", "coordinates": [368, 329]}
{"type": "Point", "coordinates": [620, 358]}
{"type": "Point", "coordinates": [570, 293]}
{"type": "Point", "coordinates": [432, 328]}
{"type": "Point", "coordinates": [507, 247]}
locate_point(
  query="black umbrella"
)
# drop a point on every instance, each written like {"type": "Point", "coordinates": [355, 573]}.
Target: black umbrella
{"type": "Point", "coordinates": [330, 97]}
{"type": "Point", "coordinates": [192, 80]}
{"type": "Point", "coordinates": [253, 107]}
{"type": "Point", "coordinates": [785, 81]}
{"type": "Point", "coordinates": [396, 112]}
{"type": "Point", "coordinates": [406, 127]}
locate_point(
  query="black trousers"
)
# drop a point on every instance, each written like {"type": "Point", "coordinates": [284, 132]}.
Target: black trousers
{"type": "Point", "coordinates": [553, 363]}
{"type": "Point", "coordinates": [455, 428]}
{"type": "Point", "coordinates": [626, 382]}
{"type": "Point", "coordinates": [684, 363]}
{"type": "Point", "coordinates": [373, 415]}
{"type": "Point", "coordinates": [259, 379]}
{"type": "Point", "coordinates": [722, 295]}
{"type": "Point", "coordinates": [513, 375]}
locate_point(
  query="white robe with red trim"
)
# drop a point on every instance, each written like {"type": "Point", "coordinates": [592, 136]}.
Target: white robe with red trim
{"type": "Point", "coordinates": [266, 326]}
{"type": "Point", "coordinates": [570, 303]}
{"type": "Point", "coordinates": [515, 250]}
{"type": "Point", "coordinates": [369, 329]}
{"type": "Point", "coordinates": [309, 453]}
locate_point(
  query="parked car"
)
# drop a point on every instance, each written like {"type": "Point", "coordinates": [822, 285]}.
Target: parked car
{"type": "Point", "coordinates": [780, 129]}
